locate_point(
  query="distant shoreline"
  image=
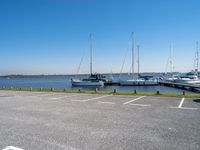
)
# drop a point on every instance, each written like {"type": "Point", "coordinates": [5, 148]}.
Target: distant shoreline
{"type": "Point", "coordinates": [41, 75]}
{"type": "Point", "coordinates": [24, 76]}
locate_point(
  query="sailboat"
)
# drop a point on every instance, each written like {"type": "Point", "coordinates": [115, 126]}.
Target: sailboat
{"type": "Point", "coordinates": [140, 80]}
{"type": "Point", "coordinates": [94, 79]}
{"type": "Point", "coordinates": [170, 76]}
{"type": "Point", "coordinates": [191, 77]}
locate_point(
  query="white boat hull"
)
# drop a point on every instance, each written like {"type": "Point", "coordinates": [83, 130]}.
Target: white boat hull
{"type": "Point", "coordinates": [189, 81]}
{"type": "Point", "coordinates": [138, 83]}
{"type": "Point", "coordinates": [86, 83]}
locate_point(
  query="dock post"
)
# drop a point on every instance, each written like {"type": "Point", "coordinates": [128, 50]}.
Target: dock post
{"type": "Point", "coordinates": [135, 91]}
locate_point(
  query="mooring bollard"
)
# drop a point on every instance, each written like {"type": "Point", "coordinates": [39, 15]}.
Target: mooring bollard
{"type": "Point", "coordinates": [115, 91]}
{"type": "Point", "coordinates": [135, 91]}
{"type": "Point", "coordinates": [183, 92]}
{"type": "Point", "coordinates": [157, 92]}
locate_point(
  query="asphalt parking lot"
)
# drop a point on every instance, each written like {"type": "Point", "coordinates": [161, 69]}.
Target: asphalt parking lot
{"type": "Point", "coordinates": [71, 121]}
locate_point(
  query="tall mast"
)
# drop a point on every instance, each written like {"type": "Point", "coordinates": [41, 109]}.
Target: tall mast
{"type": "Point", "coordinates": [132, 39]}
{"type": "Point", "coordinates": [138, 48]}
{"type": "Point", "coordinates": [90, 39]}
{"type": "Point", "coordinates": [197, 56]}
{"type": "Point", "coordinates": [171, 59]}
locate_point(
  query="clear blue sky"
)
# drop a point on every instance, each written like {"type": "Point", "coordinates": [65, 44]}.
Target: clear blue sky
{"type": "Point", "coordinates": [50, 36]}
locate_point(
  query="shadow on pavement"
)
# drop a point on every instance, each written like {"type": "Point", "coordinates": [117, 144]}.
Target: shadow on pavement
{"type": "Point", "coordinates": [197, 100]}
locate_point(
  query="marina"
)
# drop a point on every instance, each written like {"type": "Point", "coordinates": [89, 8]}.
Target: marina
{"type": "Point", "coordinates": [99, 75]}
{"type": "Point", "coordinates": [61, 82]}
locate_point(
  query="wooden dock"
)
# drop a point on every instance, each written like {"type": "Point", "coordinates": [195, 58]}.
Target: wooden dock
{"type": "Point", "coordinates": [192, 87]}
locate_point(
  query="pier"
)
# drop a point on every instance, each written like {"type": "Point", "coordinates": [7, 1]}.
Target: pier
{"type": "Point", "coordinates": [192, 87]}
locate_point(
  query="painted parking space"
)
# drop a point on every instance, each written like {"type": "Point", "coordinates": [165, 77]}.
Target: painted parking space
{"type": "Point", "coordinates": [83, 96]}
{"type": "Point", "coordinates": [37, 94]}
{"type": "Point", "coordinates": [191, 103]}
{"type": "Point", "coordinates": [6, 95]}
{"type": "Point", "coordinates": [24, 93]}
{"type": "Point", "coordinates": [90, 98]}
{"type": "Point", "coordinates": [42, 95]}
{"type": "Point", "coordinates": [164, 102]}
{"type": "Point", "coordinates": [64, 96]}
{"type": "Point", "coordinates": [11, 93]}
{"type": "Point", "coordinates": [119, 100]}
{"type": "Point", "coordinates": [161, 102]}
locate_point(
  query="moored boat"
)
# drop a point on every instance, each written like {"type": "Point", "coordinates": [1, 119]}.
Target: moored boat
{"type": "Point", "coordinates": [139, 81]}
{"type": "Point", "coordinates": [191, 78]}
{"type": "Point", "coordinates": [94, 79]}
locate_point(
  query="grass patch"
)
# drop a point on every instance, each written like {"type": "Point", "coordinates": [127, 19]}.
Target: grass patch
{"type": "Point", "coordinates": [105, 92]}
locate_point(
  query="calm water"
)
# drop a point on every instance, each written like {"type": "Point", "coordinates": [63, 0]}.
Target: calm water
{"type": "Point", "coordinates": [64, 82]}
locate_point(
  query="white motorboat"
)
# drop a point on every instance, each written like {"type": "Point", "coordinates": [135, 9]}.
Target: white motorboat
{"type": "Point", "coordinates": [191, 78]}
{"type": "Point", "coordinates": [94, 79]}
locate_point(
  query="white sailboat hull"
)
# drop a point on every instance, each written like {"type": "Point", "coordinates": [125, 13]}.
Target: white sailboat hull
{"type": "Point", "coordinates": [138, 82]}
{"type": "Point", "coordinates": [86, 83]}
{"type": "Point", "coordinates": [189, 81]}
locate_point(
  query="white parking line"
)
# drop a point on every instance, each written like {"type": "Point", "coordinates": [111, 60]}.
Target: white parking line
{"type": "Point", "coordinates": [186, 108]}
{"type": "Point", "coordinates": [65, 96]}
{"type": "Point", "coordinates": [12, 148]}
{"type": "Point", "coordinates": [90, 99]}
{"type": "Point", "coordinates": [69, 96]}
{"type": "Point", "coordinates": [106, 102]}
{"type": "Point", "coordinates": [181, 103]}
{"type": "Point", "coordinates": [140, 105]}
{"type": "Point", "coordinates": [134, 100]}
{"type": "Point", "coordinates": [46, 94]}
{"type": "Point", "coordinates": [49, 94]}
{"type": "Point", "coordinates": [40, 95]}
